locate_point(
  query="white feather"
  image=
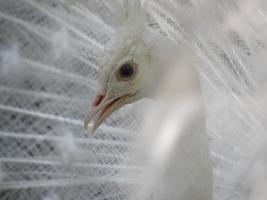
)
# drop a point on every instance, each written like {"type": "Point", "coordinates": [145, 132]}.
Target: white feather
{"type": "Point", "coordinates": [10, 66]}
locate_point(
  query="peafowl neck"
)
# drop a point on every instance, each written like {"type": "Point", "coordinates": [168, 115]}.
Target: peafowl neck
{"type": "Point", "coordinates": [180, 162]}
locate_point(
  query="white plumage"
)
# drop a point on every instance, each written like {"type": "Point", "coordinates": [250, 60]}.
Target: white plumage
{"type": "Point", "coordinates": [50, 58]}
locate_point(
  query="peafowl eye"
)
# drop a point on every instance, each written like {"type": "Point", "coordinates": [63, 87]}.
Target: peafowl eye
{"type": "Point", "coordinates": [127, 71]}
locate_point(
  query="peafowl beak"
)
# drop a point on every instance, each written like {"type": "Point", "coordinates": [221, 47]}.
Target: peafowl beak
{"type": "Point", "coordinates": [102, 107]}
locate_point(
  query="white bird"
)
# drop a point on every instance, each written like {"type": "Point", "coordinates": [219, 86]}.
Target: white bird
{"type": "Point", "coordinates": [135, 60]}
{"type": "Point", "coordinates": [51, 55]}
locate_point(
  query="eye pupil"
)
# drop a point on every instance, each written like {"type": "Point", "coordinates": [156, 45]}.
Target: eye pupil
{"type": "Point", "coordinates": [127, 70]}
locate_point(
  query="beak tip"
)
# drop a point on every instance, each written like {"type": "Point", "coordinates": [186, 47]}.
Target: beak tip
{"type": "Point", "coordinates": [105, 107]}
{"type": "Point", "coordinates": [95, 126]}
{"type": "Point", "coordinates": [85, 125]}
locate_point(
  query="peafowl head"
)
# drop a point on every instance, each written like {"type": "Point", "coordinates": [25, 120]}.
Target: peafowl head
{"type": "Point", "coordinates": [127, 66]}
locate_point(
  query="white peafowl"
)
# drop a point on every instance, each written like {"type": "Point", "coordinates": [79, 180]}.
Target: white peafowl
{"type": "Point", "coordinates": [202, 138]}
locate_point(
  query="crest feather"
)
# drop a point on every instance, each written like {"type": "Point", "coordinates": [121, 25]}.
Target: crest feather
{"type": "Point", "coordinates": [128, 13]}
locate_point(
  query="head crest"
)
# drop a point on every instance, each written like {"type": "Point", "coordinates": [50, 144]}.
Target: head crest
{"type": "Point", "coordinates": [128, 13]}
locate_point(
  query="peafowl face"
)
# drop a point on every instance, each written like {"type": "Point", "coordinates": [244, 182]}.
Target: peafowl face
{"type": "Point", "coordinates": [126, 68]}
